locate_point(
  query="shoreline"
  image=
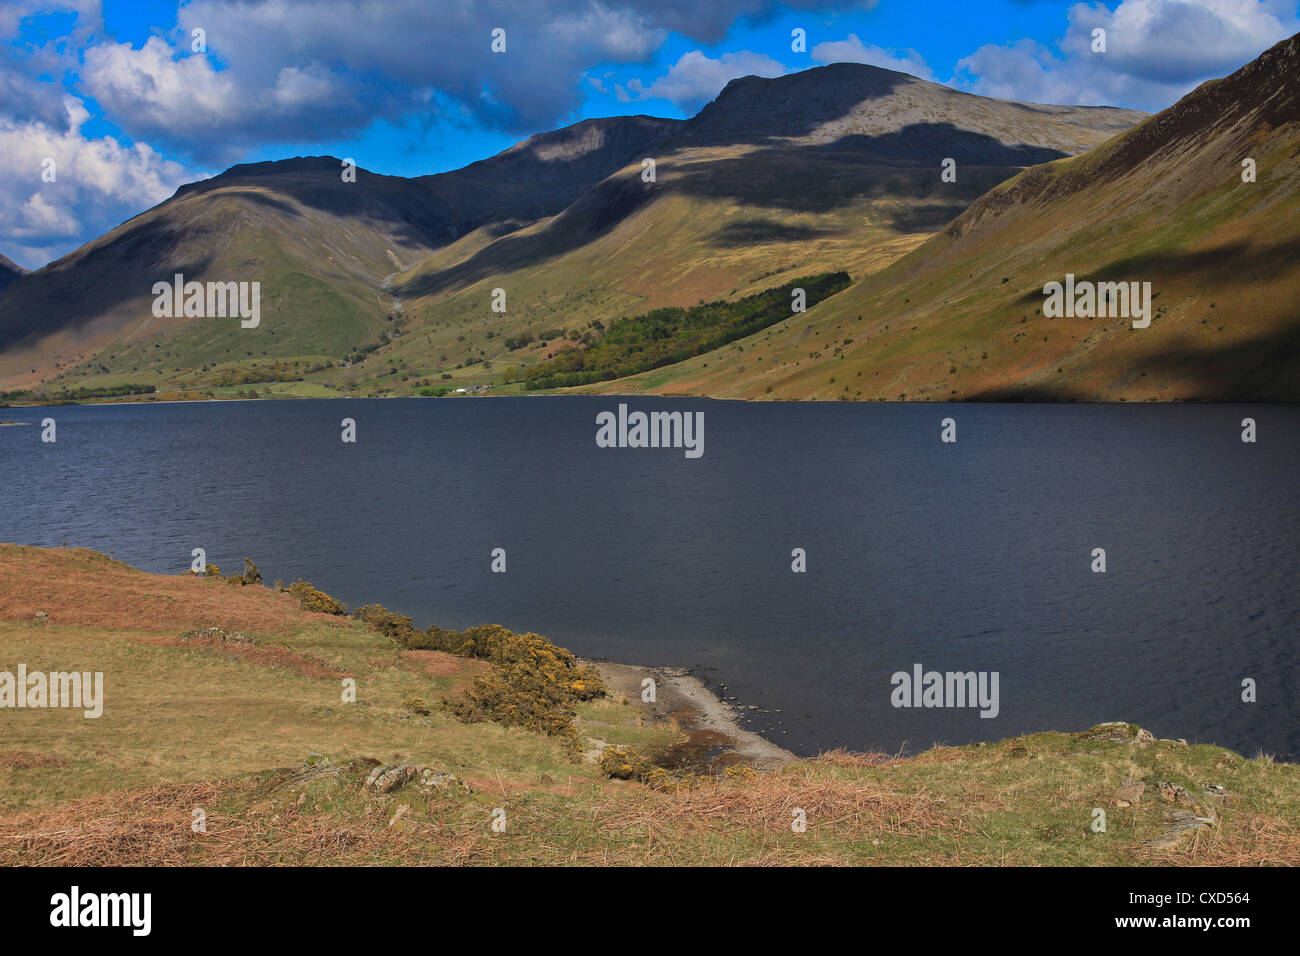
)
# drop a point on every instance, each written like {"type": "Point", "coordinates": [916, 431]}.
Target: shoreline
{"type": "Point", "coordinates": [711, 728]}
{"type": "Point", "coordinates": [712, 725]}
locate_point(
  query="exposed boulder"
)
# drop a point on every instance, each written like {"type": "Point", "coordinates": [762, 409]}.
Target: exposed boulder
{"type": "Point", "coordinates": [1129, 793]}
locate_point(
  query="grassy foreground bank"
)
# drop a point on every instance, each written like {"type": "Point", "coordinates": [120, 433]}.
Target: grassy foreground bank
{"type": "Point", "coordinates": [254, 733]}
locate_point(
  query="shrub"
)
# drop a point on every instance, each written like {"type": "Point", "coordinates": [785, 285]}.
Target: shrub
{"type": "Point", "coordinates": [312, 599]}
{"type": "Point", "coordinates": [434, 639]}
{"type": "Point", "coordinates": [250, 576]}
{"type": "Point", "coordinates": [386, 622]}
{"type": "Point", "coordinates": [532, 683]}
{"type": "Point", "coordinates": [624, 763]}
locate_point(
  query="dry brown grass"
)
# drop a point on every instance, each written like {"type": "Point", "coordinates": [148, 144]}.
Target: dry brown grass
{"type": "Point", "coordinates": [29, 760]}
{"type": "Point", "coordinates": [80, 587]}
{"type": "Point", "coordinates": [768, 801]}
{"type": "Point", "coordinates": [678, 826]}
{"type": "Point", "coordinates": [272, 656]}
{"type": "Point", "coordinates": [144, 827]}
{"type": "Point", "coordinates": [848, 758]}
{"type": "Point", "coordinates": [1257, 840]}
{"type": "Point", "coordinates": [713, 821]}
{"type": "Point", "coordinates": [152, 827]}
{"type": "Point", "coordinates": [442, 664]}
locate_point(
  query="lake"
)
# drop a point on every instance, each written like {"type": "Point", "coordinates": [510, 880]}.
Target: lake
{"type": "Point", "coordinates": [968, 556]}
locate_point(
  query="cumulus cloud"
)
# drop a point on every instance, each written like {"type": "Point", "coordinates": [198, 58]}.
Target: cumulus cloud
{"type": "Point", "coordinates": [695, 79]}
{"type": "Point", "coordinates": [1156, 51]}
{"type": "Point", "coordinates": [287, 71]}
{"type": "Point", "coordinates": [97, 184]}
{"type": "Point", "coordinates": [853, 50]}
{"type": "Point", "coordinates": [22, 61]}
{"type": "Point", "coordinates": [185, 101]}
{"type": "Point", "coordinates": [276, 70]}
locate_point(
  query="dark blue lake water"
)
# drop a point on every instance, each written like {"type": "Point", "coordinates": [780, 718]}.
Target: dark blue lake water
{"type": "Point", "coordinates": [973, 556]}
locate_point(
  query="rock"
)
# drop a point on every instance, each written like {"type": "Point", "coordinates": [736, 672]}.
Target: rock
{"type": "Point", "coordinates": [1172, 793]}
{"type": "Point", "coordinates": [1129, 793]}
{"type": "Point", "coordinates": [217, 634]}
{"type": "Point", "coordinates": [431, 780]}
{"type": "Point", "coordinates": [303, 775]}
{"type": "Point", "coordinates": [390, 777]}
{"type": "Point", "coordinates": [1116, 732]}
{"type": "Point", "coordinates": [1183, 825]}
{"type": "Point", "coordinates": [386, 779]}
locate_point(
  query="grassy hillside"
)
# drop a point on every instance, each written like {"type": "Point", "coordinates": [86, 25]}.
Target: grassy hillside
{"type": "Point", "coordinates": [389, 286]}
{"type": "Point", "coordinates": [961, 316]}
{"type": "Point", "coordinates": [205, 723]}
{"type": "Point", "coordinates": [324, 250]}
{"type": "Point", "coordinates": [833, 169]}
{"type": "Point", "coordinates": [667, 336]}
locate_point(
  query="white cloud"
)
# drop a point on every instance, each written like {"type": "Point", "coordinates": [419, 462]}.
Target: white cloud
{"type": "Point", "coordinates": [853, 50]}
{"type": "Point", "coordinates": [99, 182]}
{"type": "Point", "coordinates": [14, 12]}
{"type": "Point", "coordinates": [278, 70]}
{"type": "Point", "coordinates": [1156, 51]}
{"type": "Point", "coordinates": [695, 79]}
{"type": "Point", "coordinates": [158, 89]}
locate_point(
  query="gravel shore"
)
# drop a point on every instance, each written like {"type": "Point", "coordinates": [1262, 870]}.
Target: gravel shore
{"type": "Point", "coordinates": [684, 698]}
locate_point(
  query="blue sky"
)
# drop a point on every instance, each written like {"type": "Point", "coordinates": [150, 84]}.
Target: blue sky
{"type": "Point", "coordinates": [118, 96]}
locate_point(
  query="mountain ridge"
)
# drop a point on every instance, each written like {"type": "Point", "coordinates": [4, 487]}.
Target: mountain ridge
{"type": "Point", "coordinates": [960, 316]}
{"type": "Point", "coordinates": [394, 261]}
{"type": "Point", "coordinates": [9, 271]}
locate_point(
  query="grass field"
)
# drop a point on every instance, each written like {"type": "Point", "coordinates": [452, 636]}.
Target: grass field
{"type": "Point", "coordinates": [258, 736]}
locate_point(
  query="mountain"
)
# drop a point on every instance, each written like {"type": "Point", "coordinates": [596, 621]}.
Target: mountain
{"type": "Point", "coordinates": [386, 284]}
{"type": "Point", "coordinates": [836, 168]}
{"type": "Point", "coordinates": [322, 248]}
{"type": "Point", "coordinates": [881, 115]}
{"type": "Point", "coordinates": [9, 271]}
{"type": "Point", "coordinates": [962, 315]}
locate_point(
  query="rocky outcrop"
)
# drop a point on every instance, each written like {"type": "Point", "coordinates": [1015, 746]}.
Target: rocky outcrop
{"type": "Point", "coordinates": [386, 779]}
{"type": "Point", "coordinates": [219, 634]}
